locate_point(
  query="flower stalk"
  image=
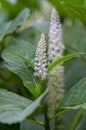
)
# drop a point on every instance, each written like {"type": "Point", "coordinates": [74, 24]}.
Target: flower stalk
{"type": "Point", "coordinates": [55, 51]}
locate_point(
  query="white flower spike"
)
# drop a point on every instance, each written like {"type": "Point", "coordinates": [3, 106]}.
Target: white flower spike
{"type": "Point", "coordinates": [41, 59]}
{"type": "Point", "coordinates": [55, 51]}
{"type": "Point", "coordinates": [56, 47]}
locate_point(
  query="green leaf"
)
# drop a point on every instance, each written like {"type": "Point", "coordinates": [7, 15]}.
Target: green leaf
{"type": "Point", "coordinates": [76, 97]}
{"type": "Point", "coordinates": [19, 20]}
{"type": "Point", "coordinates": [15, 108]}
{"type": "Point", "coordinates": [78, 11]}
{"type": "Point", "coordinates": [73, 41]}
{"type": "Point", "coordinates": [38, 90]}
{"type": "Point", "coordinates": [78, 2]}
{"type": "Point", "coordinates": [11, 105]}
{"type": "Point", "coordinates": [25, 125]}
{"type": "Point", "coordinates": [72, 8]}
{"type": "Point", "coordinates": [3, 29]}
{"type": "Point", "coordinates": [77, 72]}
{"type": "Point", "coordinates": [68, 119]}
{"type": "Point", "coordinates": [33, 89]}
{"type": "Point", "coordinates": [82, 124]}
{"type": "Point", "coordinates": [62, 59]}
{"type": "Point", "coordinates": [18, 65]}
{"type": "Point", "coordinates": [24, 59]}
{"type": "Point", "coordinates": [10, 27]}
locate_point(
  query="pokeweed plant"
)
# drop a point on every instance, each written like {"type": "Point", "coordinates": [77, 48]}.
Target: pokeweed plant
{"type": "Point", "coordinates": [42, 72]}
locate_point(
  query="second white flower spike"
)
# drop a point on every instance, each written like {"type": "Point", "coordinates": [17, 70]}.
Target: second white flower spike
{"type": "Point", "coordinates": [56, 47]}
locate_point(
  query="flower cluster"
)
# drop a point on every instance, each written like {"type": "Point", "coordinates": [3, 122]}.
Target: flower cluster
{"type": "Point", "coordinates": [55, 51]}
{"type": "Point", "coordinates": [56, 83]}
{"type": "Point", "coordinates": [40, 59]}
{"type": "Point", "coordinates": [56, 47]}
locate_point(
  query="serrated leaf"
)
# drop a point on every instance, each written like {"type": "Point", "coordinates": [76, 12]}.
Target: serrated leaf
{"type": "Point", "coordinates": [17, 64]}
{"type": "Point", "coordinates": [76, 97]}
{"type": "Point", "coordinates": [15, 108]}
{"type": "Point", "coordinates": [62, 60]}
{"type": "Point", "coordinates": [19, 20]}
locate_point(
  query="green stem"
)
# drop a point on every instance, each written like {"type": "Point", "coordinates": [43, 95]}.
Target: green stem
{"type": "Point", "coordinates": [56, 123]}
{"type": "Point", "coordinates": [58, 120]}
{"type": "Point", "coordinates": [36, 121]}
{"type": "Point", "coordinates": [57, 114]}
{"type": "Point", "coordinates": [47, 123]}
{"type": "Point", "coordinates": [77, 120]}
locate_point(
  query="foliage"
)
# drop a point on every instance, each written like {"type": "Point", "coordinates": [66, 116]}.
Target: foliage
{"type": "Point", "coordinates": [15, 107]}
